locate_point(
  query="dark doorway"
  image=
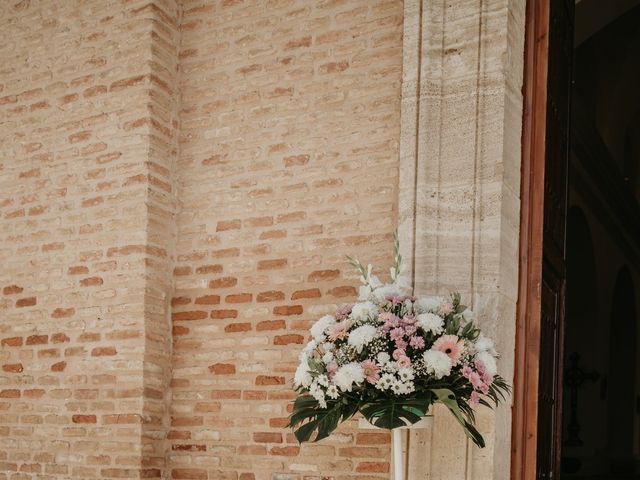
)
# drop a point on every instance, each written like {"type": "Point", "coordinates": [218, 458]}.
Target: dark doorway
{"type": "Point", "coordinates": [599, 408]}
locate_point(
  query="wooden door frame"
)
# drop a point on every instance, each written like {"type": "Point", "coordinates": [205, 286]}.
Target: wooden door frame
{"type": "Point", "coordinates": [528, 316]}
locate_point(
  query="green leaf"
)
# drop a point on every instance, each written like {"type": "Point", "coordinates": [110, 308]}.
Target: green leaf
{"type": "Point", "coordinates": [448, 399]}
{"type": "Point", "coordinates": [392, 413]}
{"type": "Point", "coordinates": [309, 417]}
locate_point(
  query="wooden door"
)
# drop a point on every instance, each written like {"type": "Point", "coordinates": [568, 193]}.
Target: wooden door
{"type": "Point", "coordinates": [552, 293]}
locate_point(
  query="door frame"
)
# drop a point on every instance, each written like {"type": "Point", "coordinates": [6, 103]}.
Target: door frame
{"type": "Point", "coordinates": [528, 315]}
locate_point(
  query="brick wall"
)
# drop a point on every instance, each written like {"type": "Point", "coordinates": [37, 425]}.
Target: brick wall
{"type": "Point", "coordinates": [202, 165]}
{"type": "Point", "coordinates": [288, 161]}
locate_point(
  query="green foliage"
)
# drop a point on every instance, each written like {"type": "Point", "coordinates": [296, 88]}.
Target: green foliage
{"type": "Point", "coordinates": [393, 412]}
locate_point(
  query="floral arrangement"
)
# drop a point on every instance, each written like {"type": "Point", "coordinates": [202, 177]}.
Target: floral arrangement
{"type": "Point", "coordinates": [391, 356]}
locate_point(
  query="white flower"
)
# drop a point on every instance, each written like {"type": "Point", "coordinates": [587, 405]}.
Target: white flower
{"type": "Point", "coordinates": [360, 336]}
{"type": "Point", "coordinates": [397, 387]}
{"type": "Point", "coordinates": [430, 322]}
{"type": "Point", "coordinates": [428, 304]}
{"type": "Point", "coordinates": [348, 375]}
{"type": "Point", "coordinates": [364, 310]}
{"type": "Point", "coordinates": [364, 292]}
{"type": "Point", "coordinates": [407, 387]}
{"type": "Point", "coordinates": [484, 344]}
{"type": "Point", "coordinates": [490, 365]}
{"type": "Point", "coordinates": [323, 380]}
{"type": "Point", "coordinates": [437, 363]}
{"type": "Point", "coordinates": [390, 290]}
{"type": "Point", "coordinates": [383, 358]}
{"type": "Point", "coordinates": [327, 357]}
{"type": "Point", "coordinates": [302, 377]}
{"type": "Point", "coordinates": [405, 374]}
{"type": "Point", "coordinates": [385, 382]}
{"type": "Point", "coordinates": [468, 315]}
{"type": "Point", "coordinates": [306, 351]}
{"type": "Point", "coordinates": [318, 328]}
{"type": "Point", "coordinates": [332, 392]}
{"type": "Point", "coordinates": [374, 282]}
{"type": "Point", "coordinates": [408, 306]}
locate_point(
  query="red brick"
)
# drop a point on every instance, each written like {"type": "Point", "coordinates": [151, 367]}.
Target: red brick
{"type": "Point", "coordinates": [193, 315]}
{"type": "Point", "coordinates": [59, 338]}
{"type": "Point", "coordinates": [189, 474]}
{"type": "Point", "coordinates": [237, 327]}
{"type": "Point", "coordinates": [63, 312]}
{"type": "Point", "coordinates": [272, 264]}
{"type": "Point", "coordinates": [296, 160]}
{"type": "Point", "coordinates": [37, 340]}
{"type": "Point", "coordinates": [208, 269]}
{"type": "Point", "coordinates": [228, 225]}
{"type": "Point", "coordinates": [175, 301]}
{"type": "Point", "coordinates": [11, 342]}
{"type": "Point", "coordinates": [222, 368]}
{"type": "Point", "coordinates": [373, 467]}
{"type": "Point", "coordinates": [222, 314]}
{"type": "Point", "coordinates": [341, 292]}
{"type": "Point", "coordinates": [10, 393]}
{"type": "Point", "coordinates": [323, 275]}
{"type": "Point", "coordinates": [334, 67]}
{"type": "Point", "coordinates": [288, 310]}
{"type": "Point", "coordinates": [239, 298]}
{"type": "Point", "coordinates": [309, 293]}
{"type": "Point", "coordinates": [58, 367]}
{"type": "Point", "coordinates": [224, 282]}
{"type": "Point", "coordinates": [12, 367]}
{"type": "Point", "coordinates": [26, 302]}
{"type": "Point", "coordinates": [208, 300]}
{"type": "Point", "coordinates": [77, 270]}
{"type": "Point", "coordinates": [181, 271]}
{"type": "Point", "coordinates": [372, 439]}
{"type": "Point", "coordinates": [12, 290]}
{"type": "Point", "coordinates": [103, 351]}
{"type": "Point", "coordinates": [267, 437]}
{"type": "Point", "coordinates": [91, 281]}
{"type": "Point", "coordinates": [83, 418]}
{"type": "Point", "coordinates": [270, 296]}
{"type": "Point", "coordinates": [288, 339]}
{"type": "Point", "coordinates": [271, 325]}
{"type": "Point", "coordinates": [285, 451]}
{"type": "Point", "coordinates": [300, 42]}
{"type": "Point", "coordinates": [269, 380]}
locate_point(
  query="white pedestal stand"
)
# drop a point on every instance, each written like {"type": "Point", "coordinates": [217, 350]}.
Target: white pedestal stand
{"type": "Point", "coordinates": [398, 452]}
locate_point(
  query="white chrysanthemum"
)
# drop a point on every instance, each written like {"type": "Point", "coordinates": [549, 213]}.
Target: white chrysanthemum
{"type": "Point", "coordinates": [318, 328]}
{"type": "Point", "coordinates": [364, 293]}
{"type": "Point", "coordinates": [306, 351]}
{"type": "Point", "coordinates": [407, 387]}
{"type": "Point", "coordinates": [484, 344]}
{"type": "Point", "coordinates": [490, 365]}
{"type": "Point", "coordinates": [348, 375]}
{"type": "Point", "coordinates": [360, 336]}
{"type": "Point", "coordinates": [437, 363]}
{"type": "Point", "coordinates": [323, 380]}
{"type": "Point", "coordinates": [302, 377]}
{"type": "Point", "coordinates": [363, 310]}
{"type": "Point", "coordinates": [428, 304]}
{"type": "Point", "coordinates": [383, 358]}
{"type": "Point", "coordinates": [327, 357]}
{"type": "Point", "coordinates": [397, 387]}
{"type": "Point", "coordinates": [332, 392]}
{"type": "Point", "coordinates": [430, 322]}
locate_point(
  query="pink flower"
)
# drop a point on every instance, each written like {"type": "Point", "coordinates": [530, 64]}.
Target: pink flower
{"type": "Point", "coordinates": [475, 380]}
{"type": "Point", "coordinates": [446, 308]}
{"type": "Point", "coordinates": [390, 320]}
{"type": "Point", "coordinates": [410, 330]}
{"type": "Point", "coordinates": [484, 388]}
{"type": "Point", "coordinates": [371, 371]}
{"type": "Point", "coordinates": [466, 371]}
{"type": "Point", "coordinates": [475, 399]}
{"type": "Point", "coordinates": [451, 345]}
{"type": "Point", "coordinates": [403, 362]}
{"type": "Point", "coordinates": [338, 331]}
{"type": "Point", "coordinates": [332, 368]}
{"type": "Point", "coordinates": [416, 342]}
{"type": "Point", "coordinates": [409, 319]}
{"type": "Point", "coordinates": [401, 344]}
{"type": "Point", "coordinates": [396, 334]}
{"type": "Point", "coordinates": [397, 354]}
{"type": "Point", "coordinates": [343, 312]}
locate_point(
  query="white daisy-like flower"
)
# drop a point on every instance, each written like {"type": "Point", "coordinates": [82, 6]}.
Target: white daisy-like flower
{"type": "Point", "coordinates": [323, 380]}
{"type": "Point", "coordinates": [360, 336]}
{"type": "Point", "coordinates": [327, 357]}
{"type": "Point", "coordinates": [430, 322]}
{"type": "Point", "coordinates": [385, 382]}
{"type": "Point", "coordinates": [484, 344]}
{"type": "Point", "coordinates": [397, 387]}
{"type": "Point", "coordinates": [406, 374]}
{"type": "Point", "coordinates": [428, 304]}
{"type": "Point", "coordinates": [332, 392]}
{"type": "Point", "coordinates": [363, 310]}
{"type": "Point", "coordinates": [407, 387]}
{"type": "Point", "coordinates": [306, 351]}
{"type": "Point", "coordinates": [437, 363]}
{"type": "Point", "coordinates": [318, 328]}
{"type": "Point", "coordinates": [302, 377]}
{"type": "Point", "coordinates": [489, 362]}
{"type": "Point", "coordinates": [348, 375]}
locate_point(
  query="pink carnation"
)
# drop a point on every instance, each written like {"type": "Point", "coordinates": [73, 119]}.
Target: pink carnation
{"type": "Point", "coordinates": [401, 344]}
{"type": "Point", "coordinates": [396, 334]}
{"type": "Point", "coordinates": [397, 354]}
{"type": "Point", "coordinates": [416, 342]}
{"type": "Point", "coordinates": [338, 331]}
{"type": "Point", "coordinates": [403, 362]}
{"type": "Point", "coordinates": [475, 399]}
{"type": "Point", "coordinates": [343, 312]}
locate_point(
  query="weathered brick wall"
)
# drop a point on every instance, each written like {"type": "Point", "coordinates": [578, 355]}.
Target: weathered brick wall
{"type": "Point", "coordinates": [82, 92]}
{"type": "Point", "coordinates": [290, 124]}
{"type": "Point", "coordinates": [271, 129]}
